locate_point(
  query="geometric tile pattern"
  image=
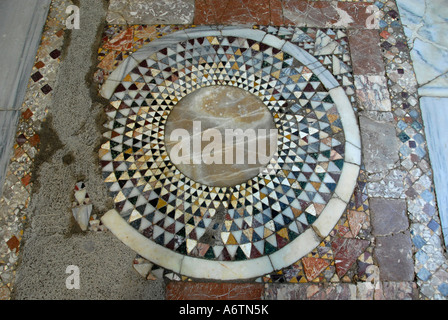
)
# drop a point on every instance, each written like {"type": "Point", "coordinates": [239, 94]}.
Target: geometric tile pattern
{"type": "Point", "coordinates": [319, 266]}
{"type": "Point", "coordinates": [328, 45]}
{"type": "Point", "coordinates": [327, 263]}
{"type": "Point", "coordinates": [248, 220]}
{"type": "Point", "coordinates": [120, 41]}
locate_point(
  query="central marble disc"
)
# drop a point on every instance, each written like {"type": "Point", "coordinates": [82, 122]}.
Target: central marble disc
{"type": "Point", "coordinates": [220, 136]}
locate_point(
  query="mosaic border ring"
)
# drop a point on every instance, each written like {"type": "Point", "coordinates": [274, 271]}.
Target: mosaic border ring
{"type": "Point", "coordinates": [287, 65]}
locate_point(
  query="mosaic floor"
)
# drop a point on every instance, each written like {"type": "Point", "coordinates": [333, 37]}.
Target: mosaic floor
{"type": "Point", "coordinates": [251, 220]}
{"type": "Point", "coordinates": [347, 193]}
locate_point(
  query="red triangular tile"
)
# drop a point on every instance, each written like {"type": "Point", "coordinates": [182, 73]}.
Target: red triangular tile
{"type": "Point", "coordinates": [346, 251]}
{"type": "Point", "coordinates": [314, 266]}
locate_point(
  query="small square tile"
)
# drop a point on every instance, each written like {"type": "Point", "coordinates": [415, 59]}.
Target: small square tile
{"type": "Point", "coordinates": [37, 76]}
{"type": "Point", "coordinates": [13, 243]}
{"type": "Point", "coordinates": [46, 89]}
{"type": "Point", "coordinates": [55, 54]}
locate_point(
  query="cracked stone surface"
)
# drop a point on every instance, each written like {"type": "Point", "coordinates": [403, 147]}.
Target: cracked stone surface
{"type": "Point", "coordinates": [343, 291]}
{"type": "Point", "coordinates": [394, 255]}
{"type": "Point", "coordinates": [399, 291]}
{"type": "Point", "coordinates": [340, 14]}
{"type": "Point", "coordinates": [238, 12]}
{"type": "Point", "coordinates": [388, 216]}
{"type": "Point", "coordinates": [372, 93]}
{"type": "Point", "coordinates": [379, 145]}
{"type": "Point", "coordinates": [425, 26]}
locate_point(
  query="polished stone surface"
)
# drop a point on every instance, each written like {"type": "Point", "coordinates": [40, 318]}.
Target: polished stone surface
{"type": "Point", "coordinates": [213, 291]}
{"type": "Point", "coordinates": [372, 93]}
{"type": "Point", "coordinates": [207, 115]}
{"type": "Point", "coordinates": [366, 53]}
{"type": "Point", "coordinates": [435, 115]}
{"type": "Point", "coordinates": [21, 24]}
{"type": "Point", "coordinates": [425, 25]}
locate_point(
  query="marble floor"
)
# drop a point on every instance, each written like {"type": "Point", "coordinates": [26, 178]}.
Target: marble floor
{"type": "Point", "coordinates": [344, 208]}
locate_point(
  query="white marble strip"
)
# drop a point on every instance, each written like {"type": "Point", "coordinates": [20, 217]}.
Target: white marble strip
{"type": "Point", "coordinates": [433, 90]}
{"type": "Point", "coordinates": [21, 25]}
{"type": "Point", "coordinates": [425, 24]}
{"type": "Point", "coordinates": [435, 117]}
{"type": "Point", "coordinates": [295, 250]}
{"type": "Point", "coordinates": [139, 243]}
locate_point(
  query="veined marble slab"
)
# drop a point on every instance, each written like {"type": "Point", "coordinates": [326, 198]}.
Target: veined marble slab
{"type": "Point", "coordinates": [209, 114]}
{"type": "Point", "coordinates": [436, 88]}
{"type": "Point", "coordinates": [435, 117]}
{"type": "Point", "coordinates": [426, 25]}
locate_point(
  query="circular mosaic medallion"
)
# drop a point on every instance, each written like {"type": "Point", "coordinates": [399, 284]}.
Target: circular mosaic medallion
{"type": "Point", "coordinates": [251, 226]}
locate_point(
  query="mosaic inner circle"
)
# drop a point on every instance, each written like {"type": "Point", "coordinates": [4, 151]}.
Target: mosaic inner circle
{"type": "Point", "coordinates": [220, 136]}
{"type": "Point", "coordinates": [246, 221]}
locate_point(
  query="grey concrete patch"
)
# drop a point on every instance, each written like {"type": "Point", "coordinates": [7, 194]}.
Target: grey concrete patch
{"type": "Point", "coordinates": [51, 240]}
{"type": "Point", "coordinates": [379, 143]}
{"type": "Point", "coordinates": [105, 270]}
{"type": "Point", "coordinates": [150, 12]}
{"type": "Point", "coordinates": [394, 256]}
{"type": "Point", "coordinates": [388, 216]}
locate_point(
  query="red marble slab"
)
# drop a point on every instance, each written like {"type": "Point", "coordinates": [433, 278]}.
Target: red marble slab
{"type": "Point", "coordinates": [366, 52]}
{"type": "Point", "coordinates": [326, 14]}
{"type": "Point", "coordinates": [263, 12]}
{"type": "Point", "coordinates": [213, 291]}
